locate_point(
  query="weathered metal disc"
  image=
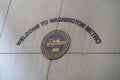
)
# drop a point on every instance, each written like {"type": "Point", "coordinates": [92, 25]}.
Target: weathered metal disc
{"type": "Point", "coordinates": [55, 44]}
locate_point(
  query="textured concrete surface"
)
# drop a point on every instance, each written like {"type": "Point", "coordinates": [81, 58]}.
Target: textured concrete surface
{"type": "Point", "coordinates": [85, 60]}
{"type": "Point", "coordinates": [4, 4]}
{"type": "Point", "coordinates": [23, 67]}
{"type": "Point", "coordinates": [22, 16]}
{"type": "Point", "coordinates": [100, 15]}
{"type": "Point", "coordinates": [86, 67]}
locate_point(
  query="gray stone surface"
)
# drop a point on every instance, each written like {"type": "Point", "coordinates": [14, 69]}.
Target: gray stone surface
{"type": "Point", "coordinates": [102, 15]}
{"type": "Point", "coordinates": [86, 67]}
{"type": "Point", "coordinates": [85, 60]}
{"type": "Point", "coordinates": [23, 67]}
{"type": "Point", "coordinates": [22, 16]}
{"type": "Point", "coordinates": [3, 10]}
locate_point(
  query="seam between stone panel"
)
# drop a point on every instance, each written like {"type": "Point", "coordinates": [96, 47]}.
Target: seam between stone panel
{"type": "Point", "coordinates": [93, 53]}
{"type": "Point", "coordinates": [60, 12]}
{"type": "Point", "coordinates": [48, 70]}
{"type": "Point", "coordinates": [69, 53]}
{"type": "Point", "coordinates": [5, 18]}
{"type": "Point", "coordinates": [22, 53]}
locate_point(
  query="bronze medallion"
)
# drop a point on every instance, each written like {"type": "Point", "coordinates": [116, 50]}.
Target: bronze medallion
{"type": "Point", "coordinates": [55, 44]}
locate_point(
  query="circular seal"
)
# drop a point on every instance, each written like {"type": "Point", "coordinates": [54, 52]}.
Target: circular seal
{"type": "Point", "coordinates": [55, 44]}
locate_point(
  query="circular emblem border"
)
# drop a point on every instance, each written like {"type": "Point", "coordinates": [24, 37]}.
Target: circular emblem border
{"type": "Point", "coordinates": [60, 53]}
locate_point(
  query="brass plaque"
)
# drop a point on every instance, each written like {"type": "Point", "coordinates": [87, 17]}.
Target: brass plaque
{"type": "Point", "coordinates": [55, 44]}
